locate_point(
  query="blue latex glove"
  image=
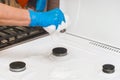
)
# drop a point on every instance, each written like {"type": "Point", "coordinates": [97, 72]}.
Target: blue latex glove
{"type": "Point", "coordinates": [45, 19]}
{"type": "Point", "coordinates": [40, 5]}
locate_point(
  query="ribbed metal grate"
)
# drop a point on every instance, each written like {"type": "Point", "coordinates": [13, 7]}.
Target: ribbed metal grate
{"type": "Point", "coordinates": [10, 34]}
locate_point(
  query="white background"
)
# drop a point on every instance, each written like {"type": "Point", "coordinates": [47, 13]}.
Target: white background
{"type": "Point", "coordinates": [98, 20]}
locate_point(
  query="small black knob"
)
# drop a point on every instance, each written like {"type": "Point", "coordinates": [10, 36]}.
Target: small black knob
{"type": "Point", "coordinates": [59, 51]}
{"type": "Point", "coordinates": [108, 68]}
{"type": "Point", "coordinates": [17, 66]}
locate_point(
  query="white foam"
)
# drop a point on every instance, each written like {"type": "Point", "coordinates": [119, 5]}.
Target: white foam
{"type": "Point", "coordinates": [51, 29]}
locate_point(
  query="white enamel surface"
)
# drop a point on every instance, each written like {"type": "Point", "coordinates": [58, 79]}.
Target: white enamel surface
{"type": "Point", "coordinates": [80, 64]}
{"type": "Point", "coordinates": [98, 20]}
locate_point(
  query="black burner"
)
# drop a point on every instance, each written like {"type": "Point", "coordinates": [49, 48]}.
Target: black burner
{"type": "Point", "coordinates": [17, 66]}
{"type": "Point", "coordinates": [59, 51]}
{"type": "Point", "coordinates": [108, 68]}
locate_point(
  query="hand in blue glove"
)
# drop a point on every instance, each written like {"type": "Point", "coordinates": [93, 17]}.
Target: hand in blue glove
{"type": "Point", "coordinates": [41, 4]}
{"type": "Point", "coordinates": [45, 19]}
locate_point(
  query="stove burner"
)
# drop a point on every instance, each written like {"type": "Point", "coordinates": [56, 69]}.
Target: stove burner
{"type": "Point", "coordinates": [17, 66]}
{"type": "Point", "coordinates": [108, 68]}
{"type": "Point", "coordinates": [59, 51]}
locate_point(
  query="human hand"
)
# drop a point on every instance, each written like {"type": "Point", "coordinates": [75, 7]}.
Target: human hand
{"type": "Point", "coordinates": [61, 28]}
{"type": "Point", "coordinates": [45, 19]}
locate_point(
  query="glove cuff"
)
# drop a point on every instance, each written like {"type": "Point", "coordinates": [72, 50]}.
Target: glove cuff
{"type": "Point", "coordinates": [33, 16]}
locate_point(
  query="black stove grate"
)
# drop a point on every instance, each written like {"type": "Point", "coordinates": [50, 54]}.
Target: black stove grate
{"type": "Point", "coordinates": [10, 35]}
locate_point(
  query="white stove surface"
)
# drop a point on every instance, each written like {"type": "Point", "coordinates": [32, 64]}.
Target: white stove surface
{"type": "Point", "coordinates": [83, 62]}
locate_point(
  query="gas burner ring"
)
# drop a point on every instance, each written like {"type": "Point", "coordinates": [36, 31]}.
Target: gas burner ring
{"type": "Point", "coordinates": [108, 68]}
{"type": "Point", "coordinates": [59, 51]}
{"type": "Point", "coordinates": [17, 66]}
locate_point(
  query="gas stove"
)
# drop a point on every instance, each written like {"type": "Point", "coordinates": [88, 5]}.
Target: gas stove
{"type": "Point", "coordinates": [83, 60]}
{"type": "Point", "coordinates": [86, 51]}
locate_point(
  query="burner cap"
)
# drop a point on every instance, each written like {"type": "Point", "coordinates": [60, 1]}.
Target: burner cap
{"type": "Point", "coordinates": [108, 68]}
{"type": "Point", "coordinates": [59, 51]}
{"type": "Point", "coordinates": [17, 66]}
